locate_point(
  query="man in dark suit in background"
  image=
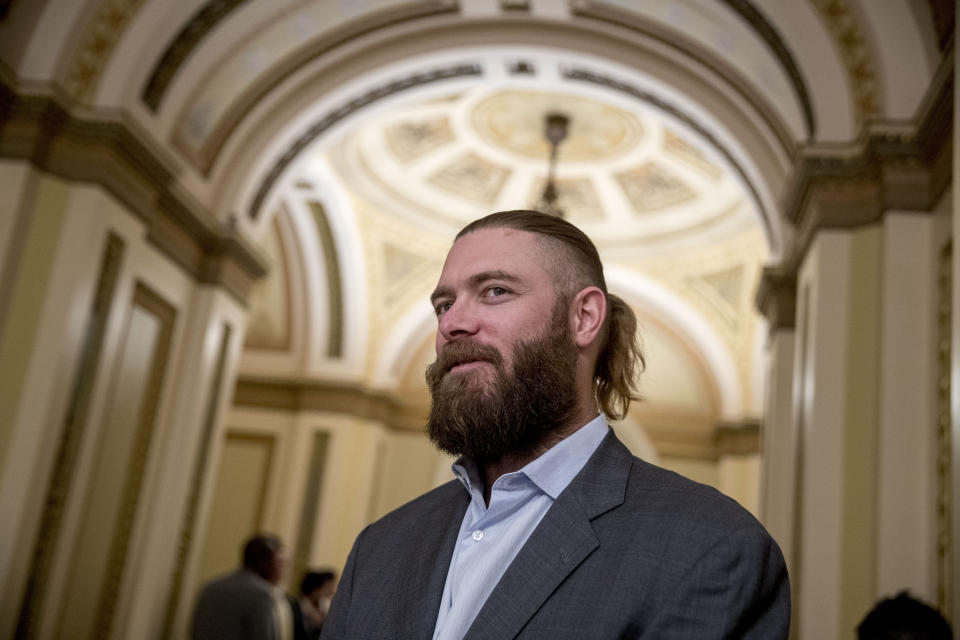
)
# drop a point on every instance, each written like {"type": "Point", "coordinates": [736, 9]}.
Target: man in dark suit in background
{"type": "Point", "coordinates": [552, 529]}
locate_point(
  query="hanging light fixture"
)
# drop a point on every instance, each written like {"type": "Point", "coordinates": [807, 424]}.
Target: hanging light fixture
{"type": "Point", "coordinates": [557, 125]}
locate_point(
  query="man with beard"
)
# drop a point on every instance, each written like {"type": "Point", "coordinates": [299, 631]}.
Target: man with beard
{"type": "Point", "coordinates": [552, 529]}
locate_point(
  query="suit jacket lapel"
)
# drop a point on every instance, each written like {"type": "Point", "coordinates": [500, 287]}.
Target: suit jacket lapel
{"type": "Point", "coordinates": [562, 540]}
{"type": "Point", "coordinates": [427, 566]}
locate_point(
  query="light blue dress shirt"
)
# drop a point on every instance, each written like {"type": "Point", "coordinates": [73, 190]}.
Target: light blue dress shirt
{"type": "Point", "coordinates": [490, 537]}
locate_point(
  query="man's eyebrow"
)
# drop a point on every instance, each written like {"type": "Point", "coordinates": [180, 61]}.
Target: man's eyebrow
{"type": "Point", "coordinates": [475, 280]}
{"type": "Point", "coordinates": [440, 292]}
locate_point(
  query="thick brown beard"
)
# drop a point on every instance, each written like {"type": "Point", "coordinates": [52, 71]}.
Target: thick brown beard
{"type": "Point", "coordinates": [517, 411]}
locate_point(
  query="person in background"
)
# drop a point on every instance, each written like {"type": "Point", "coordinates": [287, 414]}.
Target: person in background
{"type": "Point", "coordinates": [311, 606]}
{"type": "Point", "coordinates": [247, 604]}
{"type": "Point", "coordinates": [903, 618]}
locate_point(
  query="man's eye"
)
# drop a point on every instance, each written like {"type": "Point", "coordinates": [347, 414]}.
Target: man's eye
{"type": "Point", "coordinates": [496, 292]}
{"type": "Point", "coordinates": [442, 308]}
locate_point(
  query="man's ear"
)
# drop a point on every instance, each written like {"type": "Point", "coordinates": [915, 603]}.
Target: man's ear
{"type": "Point", "coordinates": [587, 313]}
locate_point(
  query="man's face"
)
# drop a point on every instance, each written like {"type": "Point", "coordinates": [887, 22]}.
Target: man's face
{"type": "Point", "coordinates": [504, 377]}
{"type": "Point", "coordinates": [495, 290]}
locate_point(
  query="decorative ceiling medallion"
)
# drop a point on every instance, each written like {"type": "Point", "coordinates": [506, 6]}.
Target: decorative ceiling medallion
{"type": "Point", "coordinates": [689, 154]}
{"type": "Point", "coordinates": [472, 177]}
{"type": "Point", "coordinates": [413, 139]}
{"type": "Point", "coordinates": [513, 120]}
{"type": "Point", "coordinates": [577, 197]}
{"type": "Point", "coordinates": [650, 187]}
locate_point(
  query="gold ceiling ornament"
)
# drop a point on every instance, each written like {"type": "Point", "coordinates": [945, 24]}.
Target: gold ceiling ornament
{"type": "Point", "coordinates": [94, 51]}
{"type": "Point", "coordinates": [844, 24]}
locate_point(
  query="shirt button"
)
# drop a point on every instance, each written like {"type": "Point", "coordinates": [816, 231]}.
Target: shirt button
{"type": "Point", "coordinates": [478, 535]}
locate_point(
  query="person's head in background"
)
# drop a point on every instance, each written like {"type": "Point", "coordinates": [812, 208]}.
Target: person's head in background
{"type": "Point", "coordinates": [318, 587]}
{"type": "Point", "coordinates": [903, 618]}
{"type": "Point", "coordinates": [265, 555]}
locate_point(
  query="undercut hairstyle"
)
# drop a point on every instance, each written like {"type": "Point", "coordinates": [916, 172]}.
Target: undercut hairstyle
{"type": "Point", "coordinates": [260, 550]}
{"type": "Point", "coordinates": [577, 266]}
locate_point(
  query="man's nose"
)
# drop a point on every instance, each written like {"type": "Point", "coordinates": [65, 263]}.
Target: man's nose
{"type": "Point", "coordinates": [458, 321]}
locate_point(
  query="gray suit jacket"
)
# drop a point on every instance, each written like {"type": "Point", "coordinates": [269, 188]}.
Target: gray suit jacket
{"type": "Point", "coordinates": [628, 550]}
{"type": "Point", "coordinates": [240, 605]}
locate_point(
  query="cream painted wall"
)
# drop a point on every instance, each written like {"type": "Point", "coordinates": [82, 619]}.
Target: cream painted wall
{"type": "Point", "coordinates": [348, 489]}
{"type": "Point", "coordinates": [836, 410]}
{"type": "Point", "coordinates": [156, 563]}
{"type": "Point", "coordinates": [50, 304]}
{"type": "Point", "coordinates": [348, 482]}
{"type": "Point", "coordinates": [408, 463]}
{"type": "Point", "coordinates": [114, 457]}
{"type": "Point", "coordinates": [778, 500]}
{"type": "Point", "coordinates": [739, 478]}
{"type": "Point", "coordinates": [239, 494]}
{"type": "Point", "coordinates": [907, 428]}
{"type": "Point", "coordinates": [25, 279]}
{"type": "Point", "coordinates": [60, 255]}
{"type": "Point", "coordinates": [705, 471]}
{"type": "Point", "coordinates": [16, 183]}
{"type": "Point", "coordinates": [735, 476]}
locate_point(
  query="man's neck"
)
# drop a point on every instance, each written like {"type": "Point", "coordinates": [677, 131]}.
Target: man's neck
{"type": "Point", "coordinates": [493, 469]}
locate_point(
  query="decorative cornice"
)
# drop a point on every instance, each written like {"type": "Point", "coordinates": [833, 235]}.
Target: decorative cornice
{"type": "Point", "coordinates": [315, 395]}
{"type": "Point", "coordinates": [101, 147]}
{"type": "Point", "coordinates": [777, 297]}
{"type": "Point", "coordinates": [724, 439]}
{"type": "Point", "coordinates": [891, 166]}
{"type": "Point", "coordinates": [738, 439]}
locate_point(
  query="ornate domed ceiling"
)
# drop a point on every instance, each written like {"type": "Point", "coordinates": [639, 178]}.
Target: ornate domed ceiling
{"type": "Point", "coordinates": [625, 175]}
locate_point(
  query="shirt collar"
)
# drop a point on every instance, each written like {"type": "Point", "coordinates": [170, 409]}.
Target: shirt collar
{"type": "Point", "coordinates": [553, 470]}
